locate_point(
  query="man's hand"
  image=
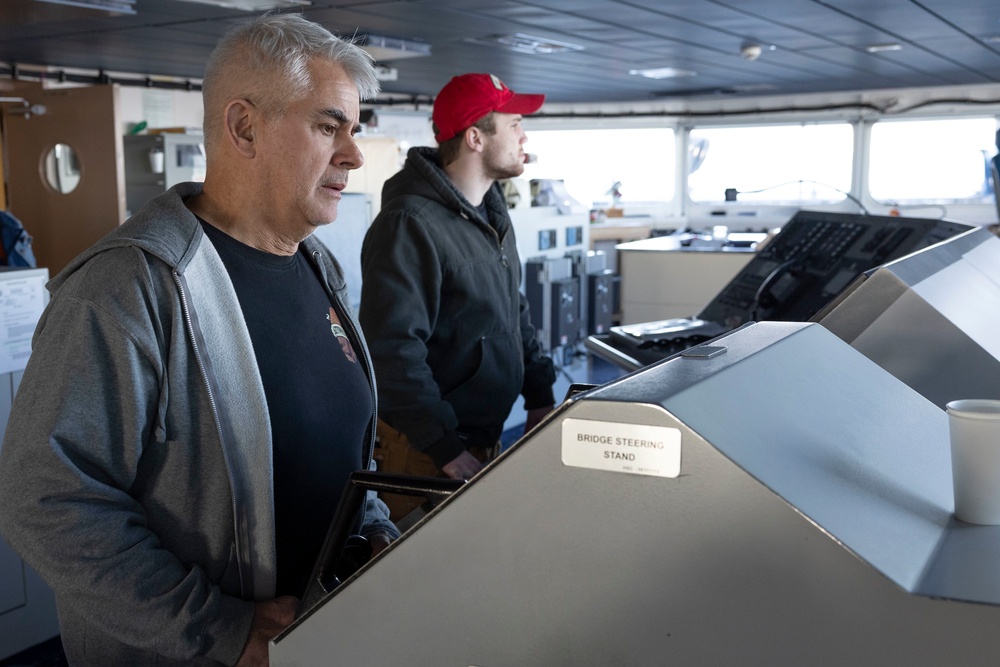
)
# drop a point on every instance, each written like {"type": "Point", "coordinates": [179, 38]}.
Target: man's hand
{"type": "Point", "coordinates": [463, 466]}
{"type": "Point", "coordinates": [379, 543]}
{"type": "Point", "coordinates": [535, 417]}
{"type": "Point", "coordinates": [269, 619]}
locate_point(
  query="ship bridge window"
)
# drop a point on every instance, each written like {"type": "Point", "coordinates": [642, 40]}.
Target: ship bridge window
{"type": "Point", "coordinates": [932, 160]}
{"type": "Point", "coordinates": [771, 164]}
{"type": "Point", "coordinates": [640, 161]}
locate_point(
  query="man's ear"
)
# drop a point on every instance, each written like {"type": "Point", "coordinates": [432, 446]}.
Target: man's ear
{"type": "Point", "coordinates": [474, 138]}
{"type": "Point", "coordinates": [242, 118]}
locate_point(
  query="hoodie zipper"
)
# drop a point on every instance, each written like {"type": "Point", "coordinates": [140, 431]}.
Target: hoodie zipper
{"type": "Point", "coordinates": [496, 235]}
{"type": "Point", "coordinates": [218, 426]}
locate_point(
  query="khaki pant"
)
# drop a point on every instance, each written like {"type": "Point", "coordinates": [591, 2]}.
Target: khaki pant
{"type": "Point", "coordinates": [394, 455]}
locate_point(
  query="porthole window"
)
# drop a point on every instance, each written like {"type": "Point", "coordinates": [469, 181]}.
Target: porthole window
{"type": "Point", "coordinates": [62, 168]}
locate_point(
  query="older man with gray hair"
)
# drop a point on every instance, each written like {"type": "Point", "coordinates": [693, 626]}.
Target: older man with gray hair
{"type": "Point", "coordinates": [198, 390]}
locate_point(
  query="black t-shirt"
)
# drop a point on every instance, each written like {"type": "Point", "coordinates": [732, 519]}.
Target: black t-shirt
{"type": "Point", "coordinates": [318, 397]}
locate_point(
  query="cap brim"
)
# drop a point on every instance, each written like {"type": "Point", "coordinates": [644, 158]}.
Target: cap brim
{"type": "Point", "coordinates": [523, 104]}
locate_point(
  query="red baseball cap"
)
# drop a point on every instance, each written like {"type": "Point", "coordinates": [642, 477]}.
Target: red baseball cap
{"type": "Point", "coordinates": [468, 97]}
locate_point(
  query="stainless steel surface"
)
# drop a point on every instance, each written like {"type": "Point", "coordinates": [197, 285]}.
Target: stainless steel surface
{"type": "Point", "coordinates": [931, 319]}
{"type": "Point", "coordinates": [803, 529]}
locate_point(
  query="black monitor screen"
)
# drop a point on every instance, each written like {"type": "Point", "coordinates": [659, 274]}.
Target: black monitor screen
{"type": "Point", "coordinates": [813, 258]}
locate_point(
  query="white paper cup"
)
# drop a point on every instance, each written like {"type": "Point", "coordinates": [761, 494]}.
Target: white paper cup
{"type": "Point", "coordinates": [156, 160]}
{"type": "Point", "coordinates": [974, 425]}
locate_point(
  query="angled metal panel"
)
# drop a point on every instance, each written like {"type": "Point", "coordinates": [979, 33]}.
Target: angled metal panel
{"type": "Point", "coordinates": [811, 496]}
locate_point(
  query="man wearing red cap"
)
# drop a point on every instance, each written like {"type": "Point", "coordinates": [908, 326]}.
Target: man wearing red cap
{"type": "Point", "coordinates": [441, 307]}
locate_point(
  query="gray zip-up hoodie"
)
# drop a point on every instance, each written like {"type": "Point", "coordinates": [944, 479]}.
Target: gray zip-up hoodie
{"type": "Point", "coordinates": [135, 475]}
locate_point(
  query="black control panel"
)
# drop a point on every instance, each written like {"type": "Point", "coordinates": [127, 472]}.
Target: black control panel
{"type": "Point", "coordinates": [813, 258]}
{"type": "Point", "coordinates": [553, 295]}
{"type": "Point", "coordinates": [600, 302]}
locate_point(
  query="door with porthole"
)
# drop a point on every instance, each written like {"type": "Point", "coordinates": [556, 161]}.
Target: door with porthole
{"type": "Point", "coordinates": [64, 169]}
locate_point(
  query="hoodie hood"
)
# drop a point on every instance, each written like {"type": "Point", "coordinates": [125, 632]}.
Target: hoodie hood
{"type": "Point", "coordinates": [422, 176]}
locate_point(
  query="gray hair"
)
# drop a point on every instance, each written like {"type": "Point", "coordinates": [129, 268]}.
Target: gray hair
{"type": "Point", "coordinates": [266, 60]}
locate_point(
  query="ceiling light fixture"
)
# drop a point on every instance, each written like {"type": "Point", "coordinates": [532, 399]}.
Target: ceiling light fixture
{"type": "Point", "coordinates": [386, 73]}
{"type": "Point", "coordinates": [114, 6]}
{"type": "Point", "coordinates": [253, 5]}
{"type": "Point", "coordinates": [751, 51]}
{"type": "Point", "coordinates": [525, 43]}
{"type": "Point", "coordinates": [383, 49]}
{"type": "Point", "coordinates": [663, 73]}
{"type": "Point", "coordinates": [879, 48]}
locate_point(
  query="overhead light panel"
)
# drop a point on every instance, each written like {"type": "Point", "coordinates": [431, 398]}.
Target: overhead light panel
{"type": "Point", "coordinates": [525, 43]}
{"type": "Point", "coordinates": [115, 6]}
{"type": "Point", "coordinates": [384, 73]}
{"type": "Point", "coordinates": [663, 73]}
{"type": "Point", "coordinates": [253, 5]}
{"type": "Point", "coordinates": [879, 48]}
{"type": "Point", "coordinates": [384, 49]}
